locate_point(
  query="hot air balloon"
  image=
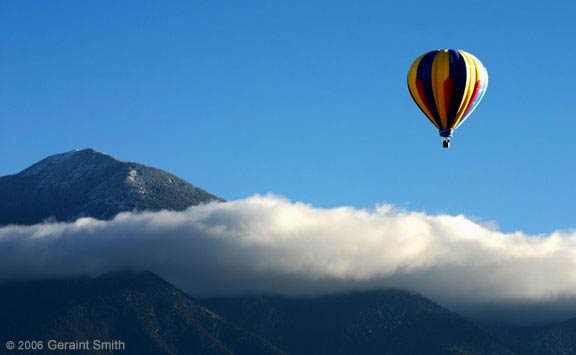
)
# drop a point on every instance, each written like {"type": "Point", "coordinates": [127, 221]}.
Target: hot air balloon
{"type": "Point", "coordinates": [447, 85]}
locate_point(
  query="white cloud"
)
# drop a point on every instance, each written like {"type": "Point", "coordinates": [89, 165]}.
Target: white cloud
{"type": "Point", "coordinates": [267, 243]}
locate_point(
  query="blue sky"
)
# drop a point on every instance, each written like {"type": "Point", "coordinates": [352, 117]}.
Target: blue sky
{"type": "Point", "coordinates": [305, 99]}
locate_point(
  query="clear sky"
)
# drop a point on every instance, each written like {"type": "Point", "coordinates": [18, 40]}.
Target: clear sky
{"type": "Point", "coordinates": [305, 99]}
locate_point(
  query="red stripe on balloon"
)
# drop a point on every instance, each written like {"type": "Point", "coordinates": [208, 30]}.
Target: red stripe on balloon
{"type": "Point", "coordinates": [421, 93]}
{"type": "Point", "coordinates": [474, 96]}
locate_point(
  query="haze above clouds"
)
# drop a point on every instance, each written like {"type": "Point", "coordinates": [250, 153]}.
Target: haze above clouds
{"type": "Point", "coordinates": [270, 244]}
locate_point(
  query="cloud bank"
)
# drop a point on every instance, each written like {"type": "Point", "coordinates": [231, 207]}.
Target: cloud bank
{"type": "Point", "coordinates": [269, 244]}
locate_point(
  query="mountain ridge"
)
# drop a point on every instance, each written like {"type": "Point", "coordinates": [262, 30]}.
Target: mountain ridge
{"type": "Point", "coordinates": [89, 183]}
{"type": "Point", "coordinates": [389, 321]}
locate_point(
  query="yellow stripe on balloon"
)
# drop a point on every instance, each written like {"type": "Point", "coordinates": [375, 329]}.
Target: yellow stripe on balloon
{"type": "Point", "coordinates": [474, 74]}
{"type": "Point", "coordinates": [469, 86]}
{"type": "Point", "coordinates": [445, 77]}
{"type": "Point", "coordinates": [440, 72]}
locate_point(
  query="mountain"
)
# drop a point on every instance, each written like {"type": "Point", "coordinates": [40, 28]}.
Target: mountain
{"type": "Point", "coordinates": [88, 183]}
{"type": "Point", "coordinates": [140, 309]}
{"type": "Point", "coordinates": [150, 316]}
{"type": "Point", "coordinates": [375, 322]}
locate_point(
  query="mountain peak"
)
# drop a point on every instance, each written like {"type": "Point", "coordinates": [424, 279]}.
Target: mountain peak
{"type": "Point", "coordinates": [90, 183]}
{"type": "Point", "coordinates": [84, 157]}
{"type": "Point", "coordinates": [89, 152]}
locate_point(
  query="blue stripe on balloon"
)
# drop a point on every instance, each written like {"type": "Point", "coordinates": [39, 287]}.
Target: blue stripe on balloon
{"type": "Point", "coordinates": [424, 74]}
{"type": "Point", "coordinates": [458, 75]}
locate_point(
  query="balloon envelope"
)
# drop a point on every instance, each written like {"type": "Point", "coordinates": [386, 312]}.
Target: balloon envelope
{"type": "Point", "coordinates": [447, 85]}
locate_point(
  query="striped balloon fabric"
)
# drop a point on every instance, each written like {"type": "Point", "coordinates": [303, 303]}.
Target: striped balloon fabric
{"type": "Point", "coordinates": [447, 85]}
